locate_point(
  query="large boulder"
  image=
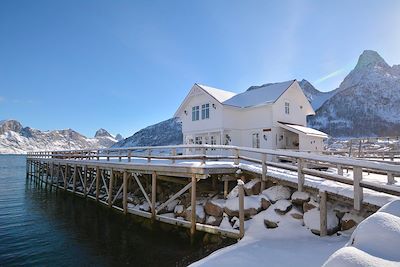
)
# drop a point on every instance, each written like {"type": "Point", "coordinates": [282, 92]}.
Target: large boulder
{"type": "Point", "coordinates": [214, 221]}
{"type": "Point", "coordinates": [253, 187]}
{"type": "Point", "coordinates": [252, 205]}
{"type": "Point", "coordinates": [312, 221]}
{"type": "Point", "coordinates": [298, 198]}
{"type": "Point", "coordinates": [276, 193]}
{"type": "Point", "coordinates": [282, 206]}
{"type": "Point", "coordinates": [179, 211]}
{"type": "Point", "coordinates": [214, 207]}
{"type": "Point", "coordinates": [200, 214]}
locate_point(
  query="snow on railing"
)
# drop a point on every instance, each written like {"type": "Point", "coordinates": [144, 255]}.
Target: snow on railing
{"type": "Point", "coordinates": [300, 162]}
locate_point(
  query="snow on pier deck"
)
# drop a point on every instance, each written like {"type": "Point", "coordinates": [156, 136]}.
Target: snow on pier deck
{"type": "Point", "coordinates": [107, 175]}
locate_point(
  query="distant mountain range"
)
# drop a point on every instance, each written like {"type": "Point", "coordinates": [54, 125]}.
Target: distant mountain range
{"type": "Point", "coordinates": [367, 103]}
{"type": "Point", "coordinates": [16, 139]}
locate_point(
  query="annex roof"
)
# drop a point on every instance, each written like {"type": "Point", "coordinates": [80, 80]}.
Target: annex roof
{"type": "Point", "coordinates": [265, 94]}
{"type": "Point", "coordinates": [303, 130]}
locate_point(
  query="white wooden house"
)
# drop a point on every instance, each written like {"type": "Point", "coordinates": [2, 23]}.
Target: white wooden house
{"type": "Point", "coordinates": [271, 116]}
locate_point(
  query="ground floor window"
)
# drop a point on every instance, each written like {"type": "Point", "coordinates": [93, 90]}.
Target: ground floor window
{"type": "Point", "coordinates": [256, 140]}
{"type": "Point", "coordinates": [213, 140]}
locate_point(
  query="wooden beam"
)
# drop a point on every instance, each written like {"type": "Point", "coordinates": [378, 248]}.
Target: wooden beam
{"type": "Point", "coordinates": [153, 194]}
{"type": "Point", "coordinates": [97, 183]}
{"type": "Point", "coordinates": [263, 170]}
{"type": "Point", "coordinates": [323, 213]}
{"type": "Point", "coordinates": [358, 190]}
{"type": "Point", "coordinates": [300, 174]}
{"type": "Point", "coordinates": [141, 188]}
{"type": "Point", "coordinates": [241, 208]}
{"type": "Point", "coordinates": [193, 205]}
{"type": "Point", "coordinates": [110, 189]}
{"type": "Point", "coordinates": [74, 179]}
{"type": "Point", "coordinates": [125, 193]}
{"type": "Point", "coordinates": [178, 194]}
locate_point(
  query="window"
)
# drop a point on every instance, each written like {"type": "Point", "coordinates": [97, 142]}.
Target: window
{"type": "Point", "coordinates": [195, 113]}
{"type": "Point", "coordinates": [213, 140]}
{"type": "Point", "coordinates": [198, 140]}
{"type": "Point", "coordinates": [287, 108]}
{"type": "Point", "coordinates": [256, 140]}
{"type": "Point", "coordinates": [205, 111]}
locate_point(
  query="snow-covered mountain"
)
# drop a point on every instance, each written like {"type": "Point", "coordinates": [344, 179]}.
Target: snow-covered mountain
{"type": "Point", "coordinates": [168, 132]}
{"type": "Point", "coordinates": [366, 102]}
{"type": "Point", "coordinates": [14, 138]}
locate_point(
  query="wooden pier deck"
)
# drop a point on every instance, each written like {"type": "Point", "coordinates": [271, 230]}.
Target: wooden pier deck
{"type": "Point", "coordinates": [107, 176]}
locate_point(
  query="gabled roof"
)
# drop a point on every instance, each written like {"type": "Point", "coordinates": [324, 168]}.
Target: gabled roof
{"type": "Point", "coordinates": [219, 94]}
{"type": "Point", "coordinates": [265, 94]}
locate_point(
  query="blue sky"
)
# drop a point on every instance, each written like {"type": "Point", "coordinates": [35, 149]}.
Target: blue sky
{"type": "Point", "coordinates": [123, 65]}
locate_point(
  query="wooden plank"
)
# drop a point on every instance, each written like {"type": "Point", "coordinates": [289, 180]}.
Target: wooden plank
{"type": "Point", "coordinates": [175, 196]}
{"type": "Point", "coordinates": [323, 217]}
{"type": "Point", "coordinates": [263, 171]}
{"type": "Point", "coordinates": [97, 183]}
{"type": "Point", "coordinates": [193, 205]}
{"type": "Point", "coordinates": [141, 188]}
{"type": "Point", "coordinates": [300, 174]}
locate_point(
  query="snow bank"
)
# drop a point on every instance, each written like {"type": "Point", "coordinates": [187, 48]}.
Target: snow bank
{"type": "Point", "coordinates": [378, 235]}
{"type": "Point", "coordinates": [392, 208]}
{"type": "Point", "coordinates": [353, 257]}
{"type": "Point", "coordinates": [312, 219]}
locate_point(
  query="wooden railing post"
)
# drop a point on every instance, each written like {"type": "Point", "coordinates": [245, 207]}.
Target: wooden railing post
{"type": "Point", "coordinates": [173, 155]}
{"type": "Point", "coordinates": [263, 171]}
{"type": "Point", "coordinates": [74, 179]}
{"type": "Point", "coordinates": [148, 155]}
{"type": "Point", "coordinates": [323, 217]}
{"type": "Point", "coordinates": [129, 155]}
{"type": "Point", "coordinates": [237, 157]}
{"type": "Point", "coordinates": [120, 157]}
{"type": "Point", "coordinates": [85, 181]}
{"type": "Point", "coordinates": [240, 184]}
{"type": "Point", "coordinates": [358, 190]}
{"type": "Point", "coordinates": [65, 176]}
{"type": "Point", "coordinates": [125, 192]}
{"type": "Point", "coordinates": [339, 169]}
{"type": "Point", "coordinates": [204, 152]}
{"type": "Point", "coordinates": [300, 174]}
{"type": "Point", "coordinates": [153, 195]}
{"type": "Point", "coordinates": [390, 178]}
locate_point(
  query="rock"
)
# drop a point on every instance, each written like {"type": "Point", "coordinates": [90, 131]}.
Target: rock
{"type": "Point", "coordinates": [179, 211]}
{"type": "Point", "coordinates": [297, 216]}
{"type": "Point", "coordinates": [282, 206]}
{"type": "Point", "coordinates": [312, 221]}
{"type": "Point", "coordinates": [214, 208]}
{"type": "Point", "coordinates": [276, 193]}
{"type": "Point", "coordinates": [145, 206]}
{"type": "Point", "coordinates": [200, 215]}
{"type": "Point", "coordinates": [234, 193]}
{"type": "Point", "coordinates": [298, 198]}
{"type": "Point", "coordinates": [270, 224]}
{"type": "Point", "coordinates": [265, 203]}
{"type": "Point", "coordinates": [309, 206]}
{"type": "Point", "coordinates": [225, 223]}
{"type": "Point", "coordinates": [252, 205]}
{"type": "Point", "coordinates": [253, 187]}
{"type": "Point", "coordinates": [215, 221]}
{"type": "Point", "coordinates": [349, 221]}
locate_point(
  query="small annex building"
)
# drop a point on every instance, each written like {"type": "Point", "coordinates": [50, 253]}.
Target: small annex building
{"type": "Point", "coordinates": [272, 116]}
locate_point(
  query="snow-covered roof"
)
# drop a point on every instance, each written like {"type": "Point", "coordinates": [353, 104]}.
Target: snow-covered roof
{"type": "Point", "coordinates": [303, 130]}
{"type": "Point", "coordinates": [262, 95]}
{"type": "Point", "coordinates": [218, 94]}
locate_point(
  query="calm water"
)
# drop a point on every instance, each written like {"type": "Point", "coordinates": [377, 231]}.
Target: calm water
{"type": "Point", "coordinates": [43, 228]}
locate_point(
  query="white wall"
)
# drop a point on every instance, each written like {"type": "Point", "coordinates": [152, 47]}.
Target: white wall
{"type": "Point", "coordinates": [299, 106]}
{"type": "Point", "coordinates": [311, 143]}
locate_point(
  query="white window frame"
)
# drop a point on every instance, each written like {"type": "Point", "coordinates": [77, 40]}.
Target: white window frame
{"type": "Point", "coordinates": [287, 107]}
{"type": "Point", "coordinates": [195, 113]}
{"type": "Point", "coordinates": [205, 111]}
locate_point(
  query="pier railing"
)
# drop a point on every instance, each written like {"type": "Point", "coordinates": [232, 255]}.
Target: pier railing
{"type": "Point", "coordinates": [303, 163]}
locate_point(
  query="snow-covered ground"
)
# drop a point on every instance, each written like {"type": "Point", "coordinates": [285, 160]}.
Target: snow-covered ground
{"type": "Point", "coordinates": [290, 244]}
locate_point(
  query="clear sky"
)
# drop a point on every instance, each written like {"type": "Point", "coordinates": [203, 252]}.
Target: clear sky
{"type": "Point", "coordinates": [123, 65]}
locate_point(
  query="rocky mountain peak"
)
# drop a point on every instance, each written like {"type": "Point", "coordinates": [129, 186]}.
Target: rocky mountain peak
{"type": "Point", "coordinates": [370, 58]}
{"type": "Point", "coordinates": [10, 125]}
{"type": "Point", "coordinates": [102, 133]}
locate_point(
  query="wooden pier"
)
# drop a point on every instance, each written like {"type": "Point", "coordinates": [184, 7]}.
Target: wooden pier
{"type": "Point", "coordinates": [110, 176]}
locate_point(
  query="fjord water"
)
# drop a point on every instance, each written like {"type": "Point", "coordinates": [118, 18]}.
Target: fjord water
{"type": "Point", "coordinates": [39, 227]}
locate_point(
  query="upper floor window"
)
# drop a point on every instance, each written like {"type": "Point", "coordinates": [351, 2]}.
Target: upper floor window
{"type": "Point", "coordinates": [195, 113]}
{"type": "Point", "coordinates": [287, 108]}
{"type": "Point", "coordinates": [205, 111]}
